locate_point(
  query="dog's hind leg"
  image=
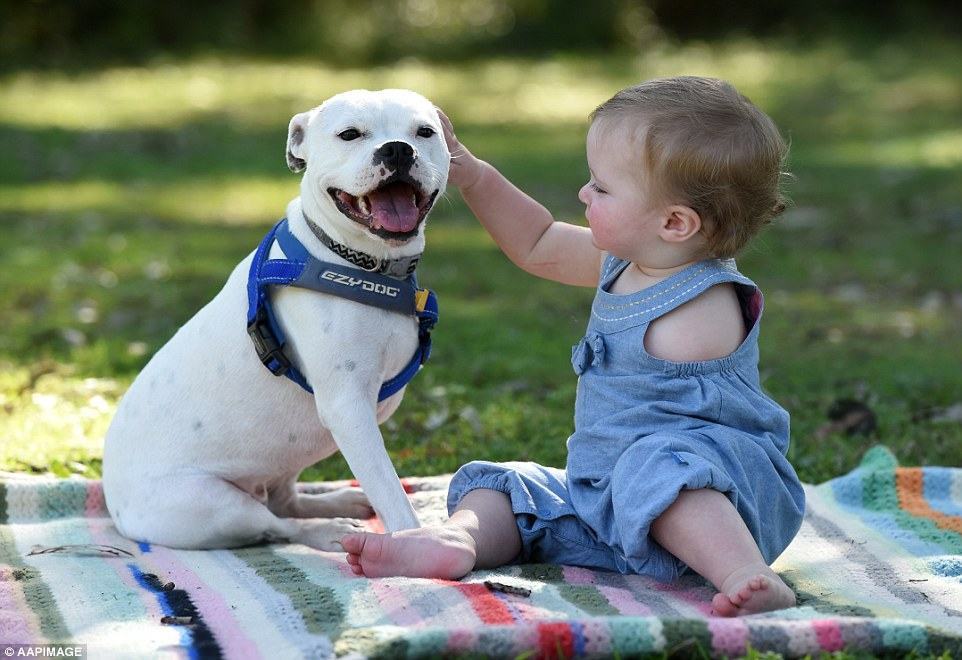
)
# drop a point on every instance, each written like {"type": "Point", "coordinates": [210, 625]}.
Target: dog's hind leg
{"type": "Point", "coordinates": [204, 511]}
{"type": "Point", "coordinates": [286, 502]}
{"type": "Point", "coordinates": [346, 502]}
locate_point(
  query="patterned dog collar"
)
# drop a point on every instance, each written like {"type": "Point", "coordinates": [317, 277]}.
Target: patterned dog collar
{"type": "Point", "coordinates": [400, 268]}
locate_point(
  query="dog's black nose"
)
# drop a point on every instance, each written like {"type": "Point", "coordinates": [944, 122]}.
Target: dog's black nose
{"type": "Point", "coordinates": [397, 156]}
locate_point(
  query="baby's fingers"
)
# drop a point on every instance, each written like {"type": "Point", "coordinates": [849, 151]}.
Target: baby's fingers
{"type": "Point", "coordinates": [448, 128]}
{"type": "Point", "coordinates": [445, 120]}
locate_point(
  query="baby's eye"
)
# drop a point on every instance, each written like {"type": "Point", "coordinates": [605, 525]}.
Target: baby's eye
{"type": "Point", "coordinates": [594, 186]}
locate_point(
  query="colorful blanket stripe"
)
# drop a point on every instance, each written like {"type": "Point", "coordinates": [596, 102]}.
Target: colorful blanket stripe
{"type": "Point", "coordinates": [877, 567]}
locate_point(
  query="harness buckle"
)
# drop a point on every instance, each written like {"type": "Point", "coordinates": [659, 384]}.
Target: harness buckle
{"type": "Point", "coordinates": [265, 343]}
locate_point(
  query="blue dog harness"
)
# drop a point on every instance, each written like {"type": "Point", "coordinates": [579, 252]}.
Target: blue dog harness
{"type": "Point", "coordinates": [302, 270]}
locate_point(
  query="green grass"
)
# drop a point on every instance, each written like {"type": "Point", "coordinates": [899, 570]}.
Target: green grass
{"type": "Point", "coordinates": [127, 195]}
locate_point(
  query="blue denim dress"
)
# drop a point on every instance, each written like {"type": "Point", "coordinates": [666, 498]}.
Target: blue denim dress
{"type": "Point", "coordinates": [646, 429]}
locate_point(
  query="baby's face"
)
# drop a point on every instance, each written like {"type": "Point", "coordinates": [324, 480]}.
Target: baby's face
{"type": "Point", "coordinates": [622, 219]}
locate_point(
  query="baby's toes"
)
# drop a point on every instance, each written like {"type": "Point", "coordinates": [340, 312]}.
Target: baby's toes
{"type": "Point", "coordinates": [722, 605]}
{"type": "Point", "coordinates": [353, 544]}
{"type": "Point", "coordinates": [742, 596]}
{"type": "Point", "coordinates": [749, 588]}
{"type": "Point", "coordinates": [354, 563]}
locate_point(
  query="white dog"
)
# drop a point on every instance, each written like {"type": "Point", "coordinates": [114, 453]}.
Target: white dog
{"type": "Point", "coordinates": [207, 445]}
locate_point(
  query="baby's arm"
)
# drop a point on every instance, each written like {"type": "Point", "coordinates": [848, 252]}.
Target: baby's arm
{"type": "Point", "coordinates": [706, 328]}
{"type": "Point", "coordinates": [523, 229]}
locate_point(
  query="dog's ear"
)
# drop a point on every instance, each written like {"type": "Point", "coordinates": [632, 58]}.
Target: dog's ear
{"type": "Point", "coordinates": [296, 159]}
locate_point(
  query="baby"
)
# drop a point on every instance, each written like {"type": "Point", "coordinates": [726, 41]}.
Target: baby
{"type": "Point", "coordinates": [678, 458]}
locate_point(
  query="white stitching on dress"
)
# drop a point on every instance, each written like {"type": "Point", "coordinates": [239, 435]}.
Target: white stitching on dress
{"type": "Point", "coordinates": [667, 302]}
{"type": "Point", "coordinates": [609, 268]}
{"type": "Point", "coordinates": [693, 275]}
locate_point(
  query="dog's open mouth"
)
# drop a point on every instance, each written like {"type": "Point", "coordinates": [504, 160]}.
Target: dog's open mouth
{"type": "Point", "coordinates": [394, 210]}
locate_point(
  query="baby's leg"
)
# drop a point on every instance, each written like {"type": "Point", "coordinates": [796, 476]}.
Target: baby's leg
{"type": "Point", "coordinates": [481, 533]}
{"type": "Point", "coordinates": [703, 529]}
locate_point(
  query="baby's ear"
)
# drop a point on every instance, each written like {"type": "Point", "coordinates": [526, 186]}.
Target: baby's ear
{"type": "Point", "coordinates": [296, 156]}
{"type": "Point", "coordinates": [680, 224]}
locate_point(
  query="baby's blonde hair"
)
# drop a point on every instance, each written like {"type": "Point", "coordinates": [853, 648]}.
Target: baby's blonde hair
{"type": "Point", "coordinates": [706, 146]}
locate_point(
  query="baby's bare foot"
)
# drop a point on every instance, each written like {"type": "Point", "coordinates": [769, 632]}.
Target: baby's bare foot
{"type": "Point", "coordinates": [751, 590]}
{"type": "Point", "coordinates": [433, 552]}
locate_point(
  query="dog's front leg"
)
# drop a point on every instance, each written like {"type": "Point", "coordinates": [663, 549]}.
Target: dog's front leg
{"type": "Point", "coordinates": [354, 428]}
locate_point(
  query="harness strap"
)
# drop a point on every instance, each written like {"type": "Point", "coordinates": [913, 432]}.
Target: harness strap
{"type": "Point", "coordinates": [302, 270]}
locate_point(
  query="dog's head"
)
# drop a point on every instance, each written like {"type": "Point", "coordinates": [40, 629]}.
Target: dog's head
{"type": "Point", "coordinates": [374, 163]}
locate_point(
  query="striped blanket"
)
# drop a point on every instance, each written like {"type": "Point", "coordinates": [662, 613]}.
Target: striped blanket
{"type": "Point", "coordinates": [877, 567]}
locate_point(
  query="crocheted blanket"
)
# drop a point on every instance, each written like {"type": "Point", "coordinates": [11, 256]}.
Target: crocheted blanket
{"type": "Point", "coordinates": [877, 567]}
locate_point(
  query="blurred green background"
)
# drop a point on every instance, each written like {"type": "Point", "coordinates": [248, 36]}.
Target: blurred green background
{"type": "Point", "coordinates": [143, 156]}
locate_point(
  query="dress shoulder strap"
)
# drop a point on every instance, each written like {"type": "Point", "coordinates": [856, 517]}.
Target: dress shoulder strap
{"type": "Point", "coordinates": [611, 267]}
{"type": "Point", "coordinates": [611, 312]}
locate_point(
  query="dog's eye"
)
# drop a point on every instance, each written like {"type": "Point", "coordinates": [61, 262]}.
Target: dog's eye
{"type": "Point", "coordinates": [426, 132]}
{"type": "Point", "coordinates": [349, 134]}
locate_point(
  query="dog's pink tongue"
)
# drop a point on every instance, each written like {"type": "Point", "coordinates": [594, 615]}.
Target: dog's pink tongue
{"type": "Point", "coordinates": [393, 208]}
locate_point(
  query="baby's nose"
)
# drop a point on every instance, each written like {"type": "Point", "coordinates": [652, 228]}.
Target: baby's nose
{"type": "Point", "coordinates": [583, 194]}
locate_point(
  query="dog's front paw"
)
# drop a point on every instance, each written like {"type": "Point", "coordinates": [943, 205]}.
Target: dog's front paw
{"type": "Point", "coordinates": [325, 534]}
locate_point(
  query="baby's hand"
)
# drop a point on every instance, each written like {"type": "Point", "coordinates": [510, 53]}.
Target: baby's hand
{"type": "Point", "coordinates": [465, 168]}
